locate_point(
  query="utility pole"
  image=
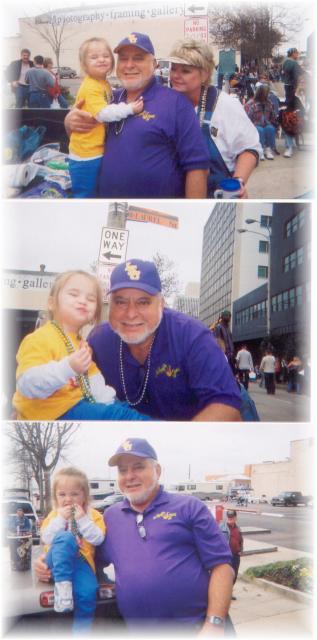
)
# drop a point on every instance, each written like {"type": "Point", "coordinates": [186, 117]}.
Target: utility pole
{"type": "Point", "coordinates": [117, 215]}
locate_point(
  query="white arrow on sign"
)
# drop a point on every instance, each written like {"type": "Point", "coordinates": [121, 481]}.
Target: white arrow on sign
{"type": "Point", "coordinates": [195, 8]}
{"type": "Point", "coordinates": [113, 245]}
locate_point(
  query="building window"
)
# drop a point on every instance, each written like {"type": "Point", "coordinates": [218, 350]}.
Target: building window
{"type": "Point", "coordinates": [262, 271]}
{"type": "Point", "coordinates": [266, 221]}
{"type": "Point", "coordinates": [293, 259]}
{"type": "Point", "coordinates": [286, 264]}
{"type": "Point", "coordinates": [300, 255]}
{"type": "Point", "coordinates": [295, 223]}
{"type": "Point", "coordinates": [299, 296]}
{"type": "Point", "coordinates": [279, 302]}
{"type": "Point", "coordinates": [263, 246]}
{"type": "Point", "coordinates": [292, 298]}
{"type": "Point", "coordinates": [285, 300]}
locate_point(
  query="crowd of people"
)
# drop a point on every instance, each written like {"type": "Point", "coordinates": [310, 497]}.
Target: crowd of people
{"type": "Point", "coordinates": [269, 370]}
{"type": "Point", "coordinates": [34, 83]}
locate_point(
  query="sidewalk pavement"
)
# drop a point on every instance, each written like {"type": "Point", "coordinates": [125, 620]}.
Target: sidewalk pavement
{"type": "Point", "coordinates": [285, 178]}
{"type": "Point", "coordinates": [282, 407]}
{"type": "Point", "coordinates": [262, 609]}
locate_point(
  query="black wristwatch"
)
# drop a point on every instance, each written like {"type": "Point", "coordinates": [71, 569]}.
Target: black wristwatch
{"type": "Point", "coordinates": [217, 621]}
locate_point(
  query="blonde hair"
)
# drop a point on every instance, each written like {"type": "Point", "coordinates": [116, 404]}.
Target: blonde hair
{"type": "Point", "coordinates": [47, 61]}
{"type": "Point", "coordinates": [196, 53]}
{"type": "Point", "coordinates": [60, 283]}
{"type": "Point", "coordinates": [76, 474]}
{"type": "Point", "coordinates": [83, 50]}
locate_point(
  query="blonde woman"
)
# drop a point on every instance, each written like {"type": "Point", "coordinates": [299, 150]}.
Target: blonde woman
{"type": "Point", "coordinates": [232, 140]}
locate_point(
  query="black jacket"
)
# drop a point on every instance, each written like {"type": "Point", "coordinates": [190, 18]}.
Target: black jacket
{"type": "Point", "coordinates": [13, 70]}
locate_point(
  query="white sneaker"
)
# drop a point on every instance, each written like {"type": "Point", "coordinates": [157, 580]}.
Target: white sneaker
{"type": "Point", "coordinates": [262, 157]}
{"type": "Point", "coordinates": [288, 153]}
{"type": "Point", "coordinates": [268, 154]}
{"type": "Point", "coordinates": [63, 596]}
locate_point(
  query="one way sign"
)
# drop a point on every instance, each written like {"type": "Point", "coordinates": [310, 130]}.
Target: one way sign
{"type": "Point", "coordinates": [113, 245]}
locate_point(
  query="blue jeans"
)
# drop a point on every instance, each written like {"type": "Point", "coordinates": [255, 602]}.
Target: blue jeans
{"type": "Point", "coordinates": [85, 410]}
{"type": "Point", "coordinates": [39, 100]}
{"type": "Point", "coordinates": [289, 140]}
{"type": "Point", "coordinates": [61, 101]}
{"type": "Point", "coordinates": [21, 96]}
{"type": "Point", "coordinates": [267, 135]}
{"type": "Point", "coordinates": [84, 175]}
{"type": "Point", "coordinates": [66, 563]}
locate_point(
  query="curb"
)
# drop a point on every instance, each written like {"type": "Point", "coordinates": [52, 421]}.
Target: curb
{"type": "Point", "coordinates": [253, 552]}
{"type": "Point", "coordinates": [292, 594]}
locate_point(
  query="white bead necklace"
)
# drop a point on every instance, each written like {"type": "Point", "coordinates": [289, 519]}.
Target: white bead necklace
{"type": "Point", "coordinates": [146, 377]}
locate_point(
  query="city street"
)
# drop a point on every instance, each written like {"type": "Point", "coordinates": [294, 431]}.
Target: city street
{"type": "Point", "coordinates": [282, 407]}
{"type": "Point", "coordinates": [290, 527]}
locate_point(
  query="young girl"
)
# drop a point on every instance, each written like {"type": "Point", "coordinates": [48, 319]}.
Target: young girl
{"type": "Point", "coordinates": [56, 377]}
{"type": "Point", "coordinates": [71, 532]}
{"type": "Point", "coordinates": [86, 149]}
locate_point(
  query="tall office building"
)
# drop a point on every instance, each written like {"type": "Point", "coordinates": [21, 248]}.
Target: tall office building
{"type": "Point", "coordinates": [233, 263]}
{"type": "Point", "coordinates": [290, 288]}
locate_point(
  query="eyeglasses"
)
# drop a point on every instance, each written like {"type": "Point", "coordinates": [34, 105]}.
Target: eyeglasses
{"type": "Point", "coordinates": [140, 525]}
{"type": "Point", "coordinates": [119, 124]}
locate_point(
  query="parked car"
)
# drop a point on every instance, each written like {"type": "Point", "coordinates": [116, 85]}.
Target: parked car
{"type": "Point", "coordinates": [290, 499]}
{"type": "Point", "coordinates": [65, 72]}
{"type": "Point", "coordinates": [113, 499]}
{"type": "Point", "coordinates": [10, 506]}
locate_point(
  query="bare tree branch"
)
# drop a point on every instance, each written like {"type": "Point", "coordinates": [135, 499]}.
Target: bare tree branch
{"type": "Point", "coordinates": [40, 446]}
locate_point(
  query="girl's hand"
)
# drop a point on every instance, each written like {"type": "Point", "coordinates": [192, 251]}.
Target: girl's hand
{"type": "Point", "coordinates": [138, 105]}
{"type": "Point", "coordinates": [80, 361]}
{"type": "Point", "coordinates": [65, 512]}
{"type": "Point", "coordinates": [79, 511]}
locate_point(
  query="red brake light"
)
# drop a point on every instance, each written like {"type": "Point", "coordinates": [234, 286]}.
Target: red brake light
{"type": "Point", "coordinates": [47, 599]}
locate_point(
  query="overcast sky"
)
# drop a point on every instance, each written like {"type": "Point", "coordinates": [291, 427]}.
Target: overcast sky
{"type": "Point", "coordinates": [197, 448]}
{"type": "Point", "coordinates": [14, 9]}
{"type": "Point", "coordinates": [66, 235]}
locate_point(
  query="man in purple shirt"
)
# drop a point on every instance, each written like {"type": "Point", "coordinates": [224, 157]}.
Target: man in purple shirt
{"type": "Point", "coordinates": [163, 363]}
{"type": "Point", "coordinates": [161, 152]}
{"type": "Point", "coordinates": [172, 562]}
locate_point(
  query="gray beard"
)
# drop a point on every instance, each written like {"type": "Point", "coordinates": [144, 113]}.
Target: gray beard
{"type": "Point", "coordinates": [142, 497]}
{"type": "Point", "coordinates": [138, 339]}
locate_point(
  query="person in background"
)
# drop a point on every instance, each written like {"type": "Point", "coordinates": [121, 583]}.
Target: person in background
{"type": "Point", "coordinates": [15, 74]}
{"type": "Point", "coordinates": [234, 536]}
{"type": "Point", "coordinates": [20, 522]}
{"type": "Point", "coordinates": [291, 72]}
{"type": "Point", "coordinates": [261, 112]}
{"type": "Point", "coordinates": [223, 335]}
{"type": "Point", "coordinates": [268, 367]}
{"type": "Point", "coordinates": [244, 365]}
{"type": "Point", "coordinates": [39, 81]}
{"type": "Point", "coordinates": [55, 92]}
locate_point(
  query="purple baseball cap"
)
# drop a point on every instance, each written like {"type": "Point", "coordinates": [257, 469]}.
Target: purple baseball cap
{"type": "Point", "coordinates": [136, 274]}
{"type": "Point", "coordinates": [139, 40]}
{"type": "Point", "coordinates": [134, 447]}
